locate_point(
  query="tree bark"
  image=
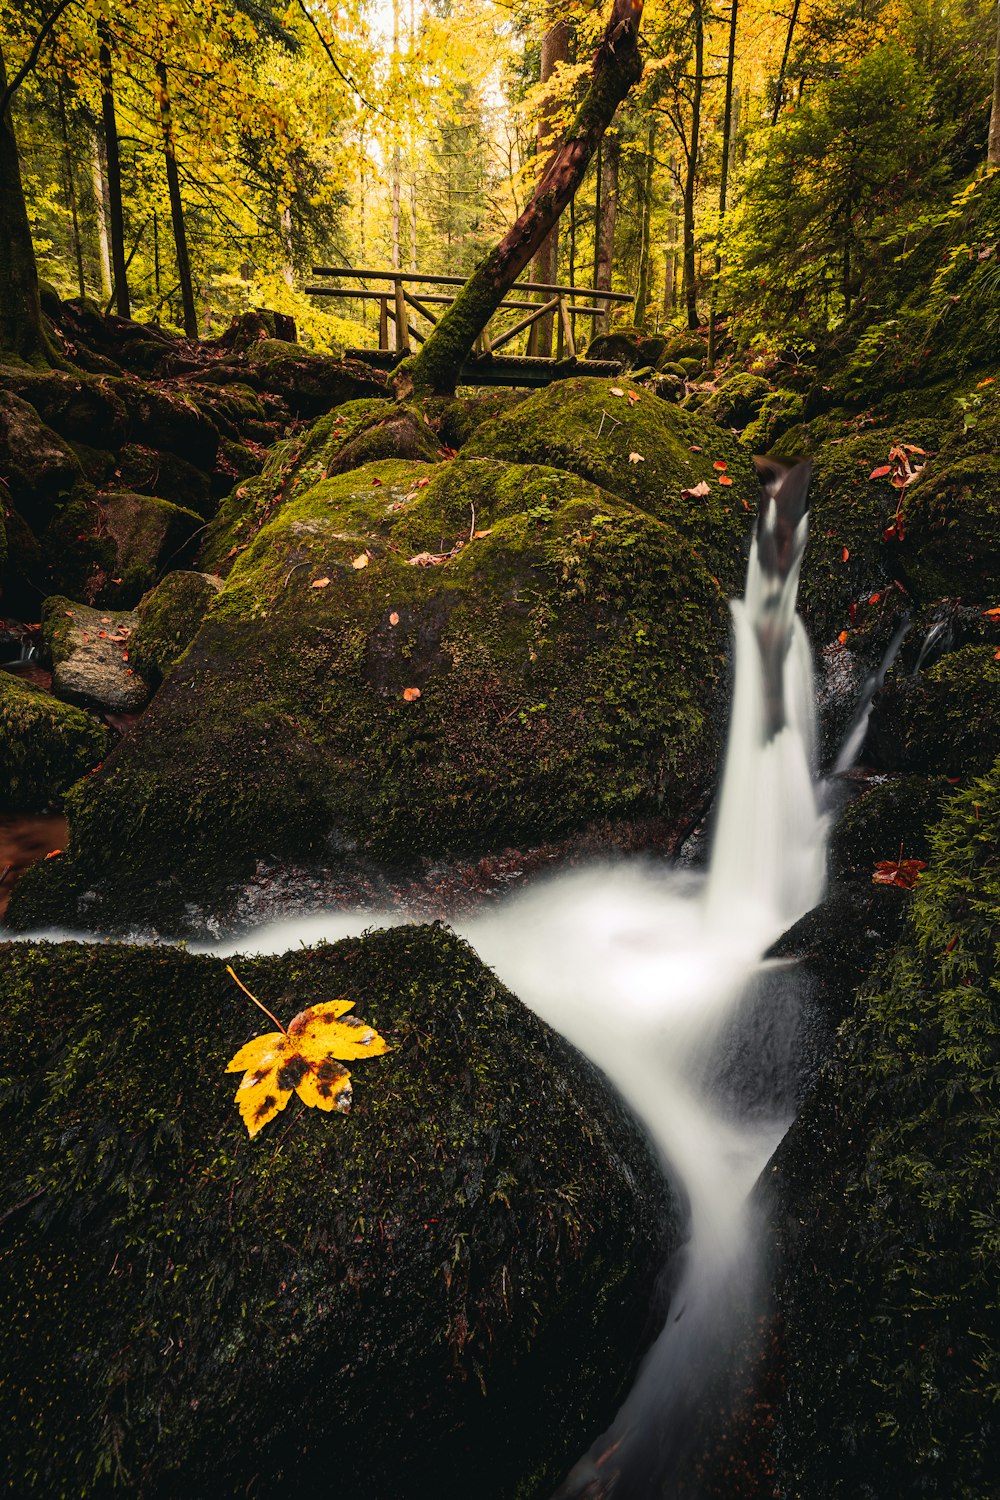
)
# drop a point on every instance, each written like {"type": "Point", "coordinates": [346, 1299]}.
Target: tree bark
{"type": "Point", "coordinates": [642, 288]}
{"type": "Point", "coordinates": [176, 207]}
{"type": "Point", "coordinates": [691, 178]}
{"type": "Point", "coordinates": [71, 190]}
{"type": "Point", "coordinates": [114, 176]}
{"type": "Point", "coordinates": [21, 330]}
{"type": "Point", "coordinates": [555, 50]}
{"type": "Point", "coordinates": [993, 148]}
{"type": "Point", "coordinates": [779, 92]}
{"type": "Point", "coordinates": [727, 129]}
{"type": "Point", "coordinates": [606, 221]}
{"type": "Point", "coordinates": [617, 66]}
{"type": "Point", "coordinates": [100, 178]}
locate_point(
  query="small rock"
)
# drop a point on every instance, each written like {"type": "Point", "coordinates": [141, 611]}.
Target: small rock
{"type": "Point", "coordinates": [90, 656]}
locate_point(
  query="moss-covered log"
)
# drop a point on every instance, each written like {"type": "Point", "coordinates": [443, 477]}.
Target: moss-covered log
{"type": "Point", "coordinates": [617, 66]}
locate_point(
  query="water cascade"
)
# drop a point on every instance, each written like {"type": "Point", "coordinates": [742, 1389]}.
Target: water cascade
{"type": "Point", "coordinates": [655, 974]}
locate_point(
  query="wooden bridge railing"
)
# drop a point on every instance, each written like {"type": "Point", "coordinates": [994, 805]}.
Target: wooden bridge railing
{"type": "Point", "coordinates": [396, 299]}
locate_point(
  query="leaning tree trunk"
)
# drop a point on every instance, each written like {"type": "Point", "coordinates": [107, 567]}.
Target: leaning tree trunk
{"type": "Point", "coordinates": [617, 66]}
{"type": "Point", "coordinates": [112, 163]}
{"type": "Point", "coordinates": [176, 206]}
{"type": "Point", "coordinates": [779, 87]}
{"type": "Point", "coordinates": [555, 50]}
{"type": "Point", "coordinates": [21, 330]}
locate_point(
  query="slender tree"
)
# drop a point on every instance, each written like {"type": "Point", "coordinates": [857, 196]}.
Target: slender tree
{"type": "Point", "coordinates": [693, 146]}
{"type": "Point", "coordinates": [727, 128]}
{"type": "Point", "coordinates": [71, 197]}
{"type": "Point", "coordinates": [993, 148]}
{"type": "Point", "coordinates": [607, 217]}
{"type": "Point", "coordinates": [779, 88]}
{"type": "Point", "coordinates": [176, 206]}
{"type": "Point", "coordinates": [642, 286]}
{"type": "Point", "coordinates": [555, 50]}
{"type": "Point", "coordinates": [112, 164]}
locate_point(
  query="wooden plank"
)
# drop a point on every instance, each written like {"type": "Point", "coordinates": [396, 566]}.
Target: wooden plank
{"type": "Point", "coordinates": [523, 323]}
{"type": "Point", "coordinates": [425, 312]}
{"type": "Point", "coordinates": [346, 272]}
{"type": "Point", "coordinates": [506, 370]}
{"type": "Point", "coordinates": [566, 325]}
{"type": "Point", "coordinates": [383, 323]}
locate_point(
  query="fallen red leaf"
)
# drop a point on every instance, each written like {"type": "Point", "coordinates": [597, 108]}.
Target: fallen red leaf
{"type": "Point", "coordinates": [900, 872]}
{"type": "Point", "coordinates": [410, 694]}
{"type": "Point", "coordinates": [842, 637]}
{"type": "Point", "coordinates": [394, 618]}
{"type": "Point", "coordinates": [846, 554]}
{"type": "Point", "coordinates": [724, 479]}
{"type": "Point", "coordinates": [320, 583]}
{"type": "Point", "coordinates": [881, 471]}
{"type": "Point", "coordinates": [720, 464]}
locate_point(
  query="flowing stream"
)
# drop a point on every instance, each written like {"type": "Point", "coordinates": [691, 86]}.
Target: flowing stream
{"type": "Point", "coordinates": [658, 975]}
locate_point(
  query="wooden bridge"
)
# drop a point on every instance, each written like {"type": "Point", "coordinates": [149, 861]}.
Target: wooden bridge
{"type": "Point", "coordinates": [401, 306]}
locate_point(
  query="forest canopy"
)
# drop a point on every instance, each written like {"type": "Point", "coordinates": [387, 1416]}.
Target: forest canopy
{"type": "Point", "coordinates": [185, 160]}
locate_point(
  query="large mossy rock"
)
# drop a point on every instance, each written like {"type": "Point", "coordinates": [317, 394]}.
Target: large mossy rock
{"type": "Point", "coordinates": [167, 620]}
{"type": "Point", "coordinates": [640, 448]}
{"type": "Point", "coordinates": [444, 1292]}
{"type": "Point", "coordinates": [946, 720]}
{"type": "Point", "coordinates": [883, 1207]}
{"type": "Point", "coordinates": [47, 745]}
{"type": "Point", "coordinates": [38, 467]}
{"type": "Point", "coordinates": [737, 401]}
{"type": "Point", "coordinates": [952, 520]}
{"type": "Point", "coordinates": [411, 661]}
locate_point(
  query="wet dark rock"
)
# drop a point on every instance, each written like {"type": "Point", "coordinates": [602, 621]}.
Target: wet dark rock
{"type": "Point", "coordinates": [35, 463]}
{"type": "Point", "coordinates": [89, 651]}
{"type": "Point", "coordinates": [47, 745]}
{"type": "Point", "coordinates": [158, 419]}
{"type": "Point", "coordinates": [952, 518]}
{"type": "Point", "coordinates": [79, 408]}
{"type": "Point", "coordinates": [945, 721]}
{"type": "Point", "coordinates": [455, 1280]}
{"type": "Point", "coordinates": [456, 418]}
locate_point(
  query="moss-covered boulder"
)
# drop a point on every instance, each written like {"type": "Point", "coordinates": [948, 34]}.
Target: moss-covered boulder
{"type": "Point", "coordinates": [167, 620]}
{"type": "Point", "coordinates": [417, 660]}
{"type": "Point", "coordinates": [883, 1207]}
{"type": "Point", "coordinates": [89, 652]}
{"type": "Point", "coordinates": [310, 384]}
{"type": "Point", "coordinates": [37, 466]}
{"type": "Point", "coordinates": [683, 345]}
{"type": "Point", "coordinates": [952, 530]}
{"type": "Point", "coordinates": [643, 449]}
{"type": "Point", "coordinates": [777, 413]}
{"type": "Point", "coordinates": [148, 534]}
{"type": "Point", "coordinates": [145, 471]}
{"type": "Point", "coordinates": [629, 347]}
{"type": "Point", "coordinates": [456, 418]}
{"type": "Point", "coordinates": [945, 721]}
{"type": "Point", "coordinates": [362, 432]}
{"type": "Point", "coordinates": [47, 745]}
{"type": "Point", "coordinates": [737, 401]}
{"type": "Point", "coordinates": [169, 421]}
{"type": "Point", "coordinates": [80, 408]}
{"type": "Point", "coordinates": [446, 1290]}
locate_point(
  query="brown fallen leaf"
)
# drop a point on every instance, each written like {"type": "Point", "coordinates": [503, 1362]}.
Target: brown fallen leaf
{"type": "Point", "coordinates": [487, 532]}
{"type": "Point", "coordinates": [900, 872]}
{"type": "Point", "coordinates": [410, 695]}
{"type": "Point", "coordinates": [428, 559]}
{"type": "Point", "coordinates": [394, 618]}
{"type": "Point", "coordinates": [361, 561]}
{"type": "Point", "coordinates": [881, 471]}
{"type": "Point", "coordinates": [320, 583]}
{"type": "Point", "coordinates": [616, 390]}
{"type": "Point", "coordinates": [697, 491]}
{"type": "Point", "coordinates": [636, 458]}
{"type": "Point", "coordinates": [633, 397]}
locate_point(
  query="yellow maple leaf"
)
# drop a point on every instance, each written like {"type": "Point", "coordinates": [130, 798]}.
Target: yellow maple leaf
{"type": "Point", "coordinates": [305, 1059]}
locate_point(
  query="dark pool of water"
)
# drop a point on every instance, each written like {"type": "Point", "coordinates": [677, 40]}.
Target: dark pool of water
{"type": "Point", "coordinates": [26, 838]}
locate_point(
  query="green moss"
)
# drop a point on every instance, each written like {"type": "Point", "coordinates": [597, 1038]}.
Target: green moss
{"type": "Point", "coordinates": [947, 720]}
{"type": "Point", "coordinates": [47, 745]}
{"type": "Point", "coordinates": [888, 1228]}
{"type": "Point", "coordinates": [893, 812]}
{"type": "Point", "coordinates": [778, 412]}
{"type": "Point", "coordinates": [567, 661]}
{"type": "Point", "coordinates": [454, 1279]}
{"type": "Point", "coordinates": [168, 620]}
{"type": "Point", "coordinates": [578, 425]}
{"type": "Point", "coordinates": [737, 401]}
{"type": "Point", "coordinates": [952, 518]}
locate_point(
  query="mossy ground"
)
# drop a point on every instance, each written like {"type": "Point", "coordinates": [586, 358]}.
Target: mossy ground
{"type": "Point", "coordinates": [47, 746]}
{"type": "Point", "coordinates": [453, 1280]}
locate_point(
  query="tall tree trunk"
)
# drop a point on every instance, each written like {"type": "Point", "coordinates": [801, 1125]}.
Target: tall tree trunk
{"type": "Point", "coordinates": [21, 330]}
{"type": "Point", "coordinates": [555, 50]}
{"type": "Point", "coordinates": [100, 179]}
{"type": "Point", "coordinates": [779, 90]}
{"type": "Point", "coordinates": [691, 178]}
{"type": "Point", "coordinates": [176, 206]}
{"type": "Point", "coordinates": [606, 221]}
{"type": "Point", "coordinates": [670, 266]}
{"type": "Point", "coordinates": [114, 176]}
{"type": "Point", "coordinates": [288, 269]}
{"type": "Point", "coordinates": [727, 130]}
{"type": "Point", "coordinates": [617, 66]}
{"type": "Point", "coordinates": [642, 288]}
{"type": "Point", "coordinates": [71, 190]}
{"type": "Point", "coordinates": [993, 149]}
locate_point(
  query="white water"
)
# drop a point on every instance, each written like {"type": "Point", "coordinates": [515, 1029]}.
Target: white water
{"type": "Point", "coordinates": [654, 974]}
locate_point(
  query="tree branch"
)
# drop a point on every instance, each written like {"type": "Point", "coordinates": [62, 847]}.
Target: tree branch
{"type": "Point", "coordinates": [32, 58]}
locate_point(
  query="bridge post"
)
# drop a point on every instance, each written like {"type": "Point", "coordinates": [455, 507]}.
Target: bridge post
{"type": "Point", "coordinates": [402, 336]}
